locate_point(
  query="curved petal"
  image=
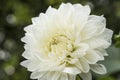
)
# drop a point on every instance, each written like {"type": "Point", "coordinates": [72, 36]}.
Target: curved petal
{"type": "Point", "coordinates": [88, 31]}
{"type": "Point", "coordinates": [94, 26]}
{"type": "Point", "coordinates": [83, 65]}
{"type": "Point", "coordinates": [25, 63]}
{"type": "Point", "coordinates": [81, 49]}
{"type": "Point", "coordinates": [107, 35]}
{"type": "Point", "coordinates": [65, 11]}
{"type": "Point", "coordinates": [51, 11]}
{"type": "Point", "coordinates": [98, 68]}
{"type": "Point", "coordinates": [92, 57]}
{"type": "Point", "coordinates": [33, 65]}
{"type": "Point", "coordinates": [102, 51]}
{"type": "Point", "coordinates": [63, 76]}
{"type": "Point", "coordinates": [36, 75]}
{"type": "Point", "coordinates": [71, 77]}
{"type": "Point", "coordinates": [97, 42]}
{"type": "Point", "coordinates": [72, 70]}
{"type": "Point", "coordinates": [83, 13]}
{"type": "Point", "coordinates": [56, 76]}
{"type": "Point", "coordinates": [41, 21]}
{"type": "Point", "coordinates": [77, 6]}
{"type": "Point", "coordinates": [99, 22]}
{"type": "Point", "coordinates": [86, 76]}
{"type": "Point", "coordinates": [26, 55]}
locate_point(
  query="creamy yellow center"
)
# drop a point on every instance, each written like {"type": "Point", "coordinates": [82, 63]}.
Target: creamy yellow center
{"type": "Point", "coordinates": [61, 47]}
{"type": "Point", "coordinates": [60, 44]}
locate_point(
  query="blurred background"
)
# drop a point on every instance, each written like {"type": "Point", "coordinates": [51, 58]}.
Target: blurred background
{"type": "Point", "coordinates": [16, 14]}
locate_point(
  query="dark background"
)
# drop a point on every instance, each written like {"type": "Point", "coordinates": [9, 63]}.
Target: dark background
{"type": "Point", "coordinates": [16, 14]}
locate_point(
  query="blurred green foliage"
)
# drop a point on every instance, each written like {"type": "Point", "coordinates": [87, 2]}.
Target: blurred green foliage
{"type": "Point", "coordinates": [107, 78]}
{"type": "Point", "coordinates": [117, 38]}
{"type": "Point", "coordinates": [16, 14]}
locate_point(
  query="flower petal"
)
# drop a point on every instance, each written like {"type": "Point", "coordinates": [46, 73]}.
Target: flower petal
{"type": "Point", "coordinates": [86, 76]}
{"type": "Point", "coordinates": [98, 68]}
{"type": "Point", "coordinates": [80, 51]}
{"type": "Point", "coordinates": [83, 13]}
{"type": "Point", "coordinates": [95, 26]}
{"type": "Point", "coordinates": [55, 76]}
{"type": "Point", "coordinates": [92, 57]}
{"type": "Point", "coordinates": [51, 12]}
{"type": "Point", "coordinates": [72, 70]}
{"type": "Point", "coordinates": [65, 10]}
{"type": "Point", "coordinates": [88, 31]}
{"type": "Point", "coordinates": [84, 64]}
{"type": "Point", "coordinates": [97, 42]}
{"type": "Point", "coordinates": [25, 63]}
{"type": "Point", "coordinates": [102, 51]}
{"type": "Point", "coordinates": [77, 6]}
{"type": "Point", "coordinates": [36, 75]}
{"type": "Point", "coordinates": [71, 77]}
{"type": "Point", "coordinates": [107, 35]}
{"type": "Point", "coordinates": [99, 22]}
{"type": "Point", "coordinates": [26, 55]}
{"type": "Point", "coordinates": [63, 76]}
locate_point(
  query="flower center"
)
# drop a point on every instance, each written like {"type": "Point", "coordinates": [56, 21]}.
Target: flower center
{"type": "Point", "coordinates": [61, 47]}
{"type": "Point", "coordinates": [60, 44]}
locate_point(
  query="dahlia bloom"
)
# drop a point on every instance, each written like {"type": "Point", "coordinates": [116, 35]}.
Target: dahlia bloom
{"type": "Point", "coordinates": [64, 42]}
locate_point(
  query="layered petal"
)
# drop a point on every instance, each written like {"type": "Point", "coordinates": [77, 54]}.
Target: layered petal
{"type": "Point", "coordinates": [94, 26]}
{"type": "Point", "coordinates": [86, 76]}
{"type": "Point", "coordinates": [98, 68]}
{"type": "Point", "coordinates": [93, 56]}
{"type": "Point", "coordinates": [72, 70]}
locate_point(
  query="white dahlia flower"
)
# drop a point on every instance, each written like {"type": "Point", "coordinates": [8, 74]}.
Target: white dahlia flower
{"type": "Point", "coordinates": [64, 42]}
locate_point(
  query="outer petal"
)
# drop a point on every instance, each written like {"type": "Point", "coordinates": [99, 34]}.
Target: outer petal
{"type": "Point", "coordinates": [63, 76]}
{"type": "Point", "coordinates": [88, 31]}
{"type": "Point", "coordinates": [51, 12]}
{"type": "Point", "coordinates": [99, 22]}
{"type": "Point", "coordinates": [53, 75]}
{"type": "Point", "coordinates": [97, 42]}
{"type": "Point", "coordinates": [25, 63]}
{"type": "Point", "coordinates": [34, 64]}
{"type": "Point", "coordinates": [36, 21]}
{"type": "Point", "coordinates": [107, 35]}
{"type": "Point", "coordinates": [56, 76]}
{"type": "Point", "coordinates": [26, 55]}
{"type": "Point", "coordinates": [86, 76]}
{"type": "Point", "coordinates": [65, 11]}
{"type": "Point", "coordinates": [92, 57]}
{"type": "Point", "coordinates": [94, 26]}
{"type": "Point", "coordinates": [98, 68]}
{"type": "Point", "coordinates": [71, 77]}
{"type": "Point", "coordinates": [41, 20]}
{"type": "Point", "coordinates": [29, 36]}
{"type": "Point", "coordinates": [102, 51]}
{"type": "Point", "coordinates": [83, 65]}
{"type": "Point", "coordinates": [77, 6]}
{"type": "Point", "coordinates": [36, 75]}
{"type": "Point", "coordinates": [80, 16]}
